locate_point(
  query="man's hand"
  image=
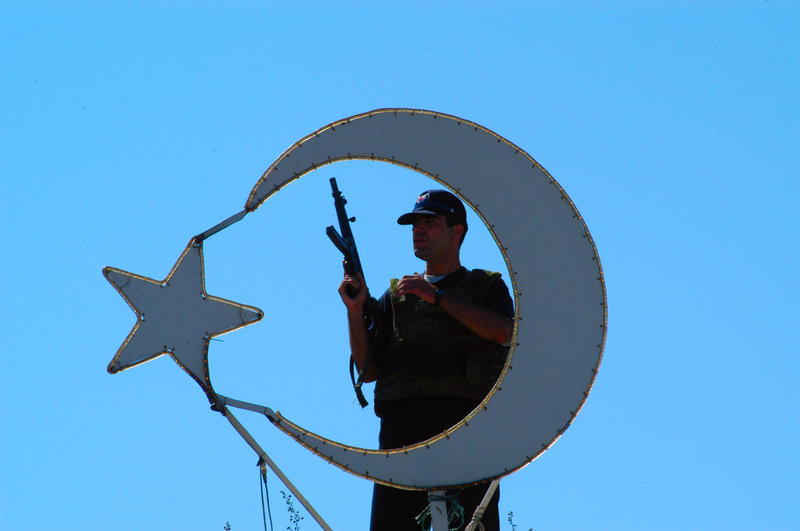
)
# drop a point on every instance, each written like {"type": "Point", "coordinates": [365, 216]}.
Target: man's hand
{"type": "Point", "coordinates": [482, 321]}
{"type": "Point", "coordinates": [416, 285]}
{"type": "Point", "coordinates": [358, 287]}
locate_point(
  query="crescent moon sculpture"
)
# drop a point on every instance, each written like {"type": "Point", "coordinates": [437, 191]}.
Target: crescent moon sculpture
{"type": "Point", "coordinates": [558, 290]}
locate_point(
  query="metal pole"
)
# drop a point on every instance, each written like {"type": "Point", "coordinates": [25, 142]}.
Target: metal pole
{"type": "Point", "coordinates": [476, 518]}
{"type": "Point", "coordinates": [221, 225]}
{"type": "Point", "coordinates": [264, 457]}
{"type": "Point", "coordinates": [438, 505]}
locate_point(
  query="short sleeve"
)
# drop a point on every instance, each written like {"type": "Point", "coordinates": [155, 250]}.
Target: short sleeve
{"type": "Point", "coordinates": [499, 300]}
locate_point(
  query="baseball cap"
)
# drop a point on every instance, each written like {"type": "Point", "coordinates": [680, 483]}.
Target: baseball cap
{"type": "Point", "coordinates": [433, 202]}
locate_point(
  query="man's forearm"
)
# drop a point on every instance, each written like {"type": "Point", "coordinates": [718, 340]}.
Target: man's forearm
{"type": "Point", "coordinates": [486, 323]}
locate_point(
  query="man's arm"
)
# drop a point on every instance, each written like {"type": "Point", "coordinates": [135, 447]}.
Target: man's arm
{"type": "Point", "coordinates": [359, 341]}
{"type": "Point", "coordinates": [484, 322]}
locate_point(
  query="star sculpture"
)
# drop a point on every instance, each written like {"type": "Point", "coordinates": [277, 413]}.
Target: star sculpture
{"type": "Point", "coordinates": [176, 316]}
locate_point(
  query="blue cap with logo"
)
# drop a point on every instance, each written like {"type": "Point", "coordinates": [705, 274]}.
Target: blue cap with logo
{"type": "Point", "coordinates": [433, 202]}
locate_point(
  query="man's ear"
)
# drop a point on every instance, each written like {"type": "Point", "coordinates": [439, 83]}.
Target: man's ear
{"type": "Point", "coordinates": [458, 232]}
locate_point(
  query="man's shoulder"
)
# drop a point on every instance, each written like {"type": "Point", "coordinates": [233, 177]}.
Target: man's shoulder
{"type": "Point", "coordinates": [481, 278]}
{"type": "Point", "coordinates": [469, 279]}
{"type": "Point", "coordinates": [484, 274]}
{"type": "Point", "coordinates": [491, 290]}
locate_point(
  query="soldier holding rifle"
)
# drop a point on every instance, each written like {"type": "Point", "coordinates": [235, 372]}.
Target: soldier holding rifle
{"type": "Point", "coordinates": [435, 345]}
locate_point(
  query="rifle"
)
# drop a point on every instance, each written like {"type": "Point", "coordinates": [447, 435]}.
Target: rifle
{"type": "Point", "coordinates": [344, 241]}
{"type": "Point", "coordinates": [352, 266]}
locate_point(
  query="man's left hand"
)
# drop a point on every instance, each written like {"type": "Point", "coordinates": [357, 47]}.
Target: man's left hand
{"type": "Point", "coordinates": [417, 285]}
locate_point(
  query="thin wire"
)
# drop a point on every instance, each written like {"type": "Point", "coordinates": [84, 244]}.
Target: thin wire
{"type": "Point", "coordinates": [263, 488]}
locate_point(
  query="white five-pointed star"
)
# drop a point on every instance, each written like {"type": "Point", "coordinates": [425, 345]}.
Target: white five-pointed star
{"type": "Point", "coordinates": [176, 316]}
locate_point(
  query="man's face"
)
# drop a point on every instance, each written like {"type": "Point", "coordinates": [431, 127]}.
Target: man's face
{"type": "Point", "coordinates": [432, 237]}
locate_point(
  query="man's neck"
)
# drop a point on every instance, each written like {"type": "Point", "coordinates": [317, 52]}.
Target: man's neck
{"type": "Point", "coordinates": [441, 269]}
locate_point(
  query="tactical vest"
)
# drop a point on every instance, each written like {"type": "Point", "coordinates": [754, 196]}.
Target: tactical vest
{"type": "Point", "coordinates": [431, 353]}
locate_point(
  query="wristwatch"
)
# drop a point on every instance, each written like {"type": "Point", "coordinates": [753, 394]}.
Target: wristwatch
{"type": "Point", "coordinates": [437, 299]}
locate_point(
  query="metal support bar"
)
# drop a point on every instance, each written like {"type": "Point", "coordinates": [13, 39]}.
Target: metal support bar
{"type": "Point", "coordinates": [478, 516]}
{"type": "Point", "coordinates": [219, 226]}
{"type": "Point", "coordinates": [438, 505]}
{"type": "Point", "coordinates": [264, 410]}
{"type": "Point", "coordinates": [266, 459]}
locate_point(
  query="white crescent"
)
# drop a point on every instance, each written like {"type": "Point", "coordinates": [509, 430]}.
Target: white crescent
{"type": "Point", "coordinates": [558, 290]}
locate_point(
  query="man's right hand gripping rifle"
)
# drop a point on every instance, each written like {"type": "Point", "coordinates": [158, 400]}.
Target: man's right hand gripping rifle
{"type": "Point", "coordinates": [355, 295]}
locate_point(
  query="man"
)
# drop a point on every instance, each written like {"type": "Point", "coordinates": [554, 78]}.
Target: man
{"type": "Point", "coordinates": [437, 347]}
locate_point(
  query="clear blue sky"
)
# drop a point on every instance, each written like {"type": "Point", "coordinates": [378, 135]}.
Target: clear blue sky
{"type": "Point", "coordinates": [129, 127]}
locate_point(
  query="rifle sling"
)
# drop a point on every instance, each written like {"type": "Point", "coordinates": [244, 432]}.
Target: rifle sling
{"type": "Point", "coordinates": [357, 383]}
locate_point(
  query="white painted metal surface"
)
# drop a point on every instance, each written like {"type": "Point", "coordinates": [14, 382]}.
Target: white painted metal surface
{"type": "Point", "coordinates": [176, 316]}
{"type": "Point", "coordinates": [556, 276]}
{"type": "Point", "coordinates": [438, 508]}
{"type": "Point", "coordinates": [557, 281]}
